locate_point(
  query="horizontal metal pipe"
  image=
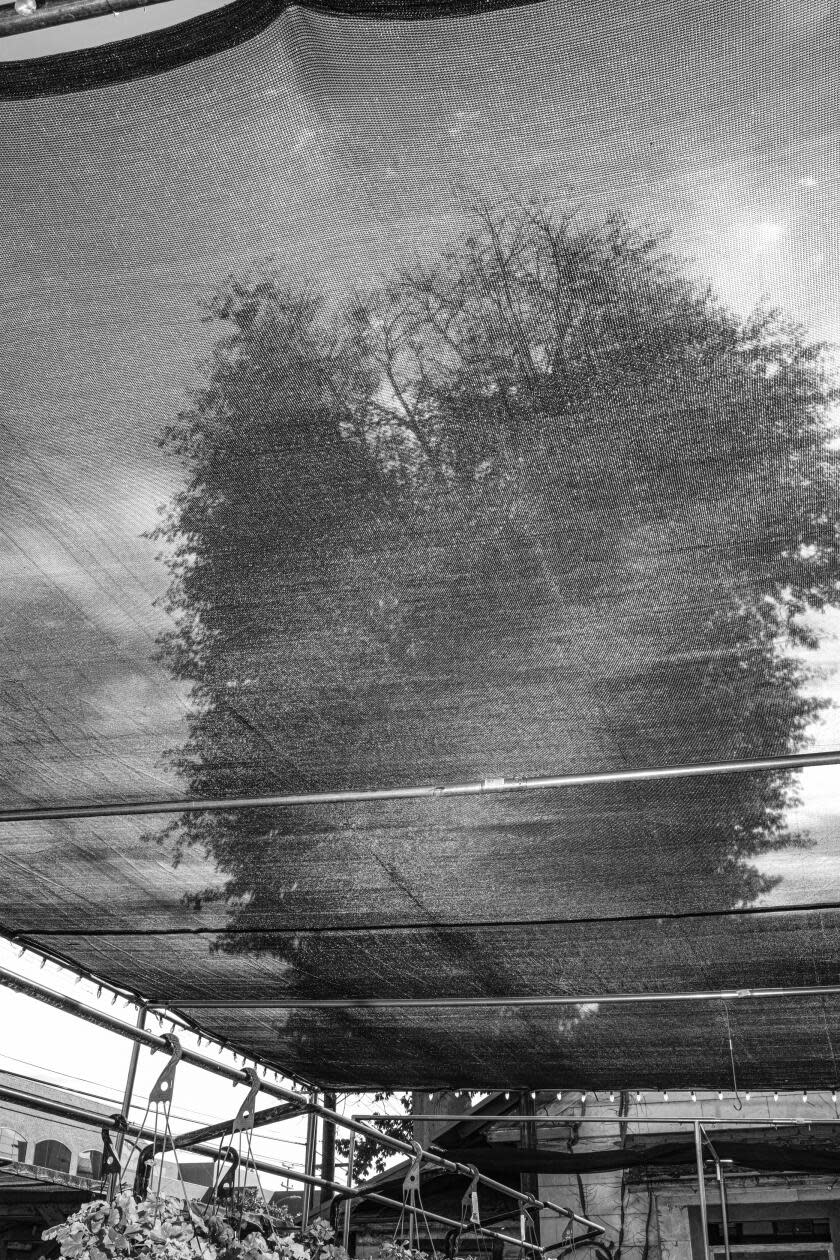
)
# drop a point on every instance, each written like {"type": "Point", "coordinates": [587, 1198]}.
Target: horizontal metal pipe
{"type": "Point", "coordinates": [189, 805]}
{"type": "Point", "coordinates": [60, 12]}
{"type": "Point", "coordinates": [70, 1006]}
{"type": "Point", "coordinates": [143, 1036]}
{"type": "Point", "coordinates": [765, 1122]}
{"type": "Point", "coordinates": [544, 999]}
{"type": "Point", "coordinates": [281, 1170]}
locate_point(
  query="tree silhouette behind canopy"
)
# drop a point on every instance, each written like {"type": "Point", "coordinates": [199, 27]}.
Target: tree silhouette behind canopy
{"type": "Point", "coordinates": [541, 503]}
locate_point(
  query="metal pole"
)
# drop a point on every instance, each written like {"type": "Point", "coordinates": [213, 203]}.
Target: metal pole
{"type": "Point", "coordinates": [516, 1118]}
{"type": "Point", "coordinates": [142, 1035]}
{"type": "Point", "coordinates": [348, 1203]}
{"type": "Point", "coordinates": [132, 1075]}
{"type": "Point", "coordinates": [724, 1213]}
{"type": "Point", "coordinates": [309, 1166]}
{"type": "Point", "coordinates": [280, 1170]}
{"type": "Point", "coordinates": [483, 787]}
{"type": "Point", "coordinates": [543, 999]}
{"type": "Point", "coordinates": [701, 1187]}
{"type": "Point", "coordinates": [328, 1142]}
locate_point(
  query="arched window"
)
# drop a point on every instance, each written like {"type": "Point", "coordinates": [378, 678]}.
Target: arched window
{"type": "Point", "coordinates": [52, 1154]}
{"type": "Point", "coordinates": [90, 1164]}
{"type": "Point", "coordinates": [12, 1145]}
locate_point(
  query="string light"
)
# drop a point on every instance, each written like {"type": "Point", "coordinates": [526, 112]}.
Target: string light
{"type": "Point", "coordinates": [533, 1093]}
{"type": "Point", "coordinates": [583, 1096]}
{"type": "Point", "coordinates": [747, 1096]}
{"type": "Point", "coordinates": [43, 964]}
{"type": "Point", "coordinates": [507, 1095]}
{"type": "Point", "coordinates": [638, 1097]}
{"type": "Point", "coordinates": [612, 1095]}
{"type": "Point", "coordinates": [693, 1096]}
{"type": "Point", "coordinates": [559, 1095]}
{"type": "Point", "coordinates": [21, 951]}
{"type": "Point", "coordinates": [775, 1095]}
{"type": "Point", "coordinates": [720, 1095]}
{"type": "Point", "coordinates": [804, 1095]}
{"type": "Point", "coordinates": [99, 991]}
{"type": "Point", "coordinates": [834, 1095]}
{"type": "Point", "coordinates": [665, 1096]}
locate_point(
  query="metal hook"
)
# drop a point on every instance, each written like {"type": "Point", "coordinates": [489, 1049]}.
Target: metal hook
{"type": "Point", "coordinates": [110, 1164]}
{"type": "Point", "coordinates": [244, 1118]}
{"type": "Point", "coordinates": [161, 1091]}
{"type": "Point", "coordinates": [469, 1202]}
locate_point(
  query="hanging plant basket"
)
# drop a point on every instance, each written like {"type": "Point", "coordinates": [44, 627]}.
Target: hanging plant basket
{"type": "Point", "coordinates": [161, 1228]}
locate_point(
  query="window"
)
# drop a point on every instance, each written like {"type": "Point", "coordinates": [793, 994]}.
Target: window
{"type": "Point", "coordinates": [769, 1238]}
{"type": "Point", "coordinates": [52, 1154]}
{"type": "Point", "coordinates": [12, 1145]}
{"type": "Point", "coordinates": [90, 1164]}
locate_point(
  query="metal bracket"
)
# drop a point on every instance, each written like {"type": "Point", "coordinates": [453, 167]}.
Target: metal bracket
{"type": "Point", "coordinates": [244, 1118]}
{"type": "Point", "coordinates": [469, 1203]}
{"type": "Point", "coordinates": [110, 1163]}
{"type": "Point", "coordinates": [161, 1091]}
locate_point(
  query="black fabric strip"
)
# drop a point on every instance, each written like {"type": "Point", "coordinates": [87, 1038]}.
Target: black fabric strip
{"type": "Point", "coordinates": [200, 37]}
{"type": "Point", "coordinates": [763, 1156]}
{"type": "Point", "coordinates": [371, 929]}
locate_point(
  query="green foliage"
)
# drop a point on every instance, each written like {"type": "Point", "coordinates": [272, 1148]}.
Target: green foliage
{"type": "Point", "coordinates": [368, 1155]}
{"type": "Point", "coordinates": [161, 1228]}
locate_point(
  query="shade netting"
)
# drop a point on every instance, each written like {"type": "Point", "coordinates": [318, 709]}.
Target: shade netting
{"type": "Point", "coordinates": [419, 397]}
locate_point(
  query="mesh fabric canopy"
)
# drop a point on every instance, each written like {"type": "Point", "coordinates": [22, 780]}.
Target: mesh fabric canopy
{"type": "Point", "coordinates": [362, 429]}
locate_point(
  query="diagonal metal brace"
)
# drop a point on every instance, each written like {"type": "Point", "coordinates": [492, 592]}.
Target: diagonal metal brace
{"type": "Point", "coordinates": [244, 1118]}
{"type": "Point", "coordinates": [161, 1091]}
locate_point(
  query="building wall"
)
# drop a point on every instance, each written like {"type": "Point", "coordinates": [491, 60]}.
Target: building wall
{"type": "Point", "coordinates": [654, 1221]}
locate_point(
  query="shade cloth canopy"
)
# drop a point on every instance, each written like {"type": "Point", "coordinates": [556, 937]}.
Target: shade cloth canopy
{"type": "Point", "coordinates": [361, 430]}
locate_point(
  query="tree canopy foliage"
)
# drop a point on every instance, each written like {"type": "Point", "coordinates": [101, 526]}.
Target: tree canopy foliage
{"type": "Point", "coordinates": [539, 503]}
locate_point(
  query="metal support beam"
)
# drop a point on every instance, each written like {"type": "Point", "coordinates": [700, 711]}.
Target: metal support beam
{"type": "Point", "coordinates": [701, 1189]}
{"type": "Point", "coordinates": [309, 1166]}
{"type": "Point", "coordinates": [724, 1213]}
{"type": "Point", "coordinates": [131, 1077]}
{"type": "Point", "coordinates": [542, 999]}
{"type": "Point", "coordinates": [279, 1170]}
{"type": "Point", "coordinates": [142, 1035]}
{"type": "Point", "coordinates": [484, 787]}
{"type": "Point", "coordinates": [348, 1203]}
{"type": "Point", "coordinates": [765, 1122]}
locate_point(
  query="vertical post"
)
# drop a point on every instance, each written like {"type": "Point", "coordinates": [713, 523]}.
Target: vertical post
{"type": "Point", "coordinates": [529, 1183]}
{"type": "Point", "coordinates": [309, 1165]}
{"type": "Point", "coordinates": [348, 1202]}
{"type": "Point", "coordinates": [128, 1093]}
{"type": "Point", "coordinates": [701, 1187]}
{"type": "Point", "coordinates": [724, 1210]}
{"type": "Point", "coordinates": [328, 1142]}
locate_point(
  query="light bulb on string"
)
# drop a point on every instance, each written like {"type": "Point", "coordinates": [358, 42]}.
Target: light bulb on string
{"type": "Point", "coordinates": [533, 1093]}
{"type": "Point", "coordinates": [638, 1097]}
{"type": "Point", "coordinates": [559, 1095]}
{"type": "Point", "coordinates": [834, 1095]}
{"type": "Point", "coordinates": [804, 1095]}
{"type": "Point", "coordinates": [583, 1095]}
{"type": "Point", "coordinates": [507, 1095]}
{"type": "Point", "coordinates": [612, 1095]}
{"type": "Point", "coordinates": [747, 1096]}
{"type": "Point", "coordinates": [720, 1095]}
{"type": "Point", "coordinates": [665, 1096]}
{"type": "Point", "coordinates": [693, 1096]}
{"type": "Point", "coordinates": [43, 964]}
{"type": "Point", "coordinates": [99, 991]}
{"type": "Point", "coordinates": [775, 1095]}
